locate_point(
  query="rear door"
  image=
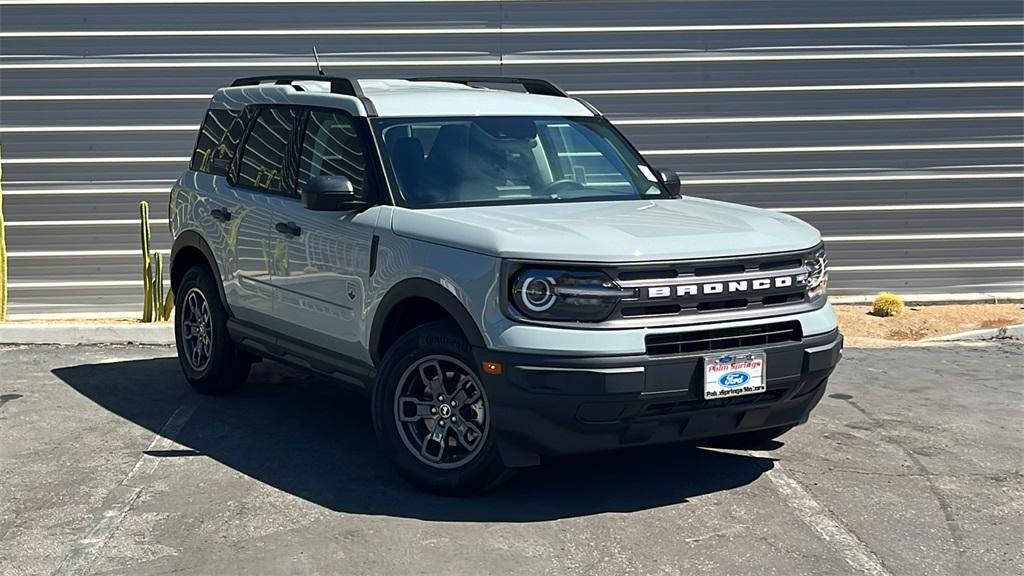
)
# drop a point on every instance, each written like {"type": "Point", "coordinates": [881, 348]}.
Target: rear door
{"type": "Point", "coordinates": [257, 183]}
{"type": "Point", "coordinates": [228, 216]}
{"type": "Point", "coordinates": [320, 291]}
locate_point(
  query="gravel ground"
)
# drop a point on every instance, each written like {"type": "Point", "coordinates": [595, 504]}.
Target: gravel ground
{"type": "Point", "coordinates": [111, 465]}
{"type": "Point", "coordinates": [920, 322]}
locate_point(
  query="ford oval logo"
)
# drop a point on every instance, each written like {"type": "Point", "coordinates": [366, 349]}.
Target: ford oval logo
{"type": "Point", "coordinates": [733, 379]}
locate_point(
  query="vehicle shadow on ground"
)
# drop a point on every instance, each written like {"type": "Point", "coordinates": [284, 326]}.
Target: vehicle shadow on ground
{"type": "Point", "coordinates": [308, 437]}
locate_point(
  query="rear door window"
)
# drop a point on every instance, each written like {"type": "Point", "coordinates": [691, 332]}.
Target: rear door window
{"type": "Point", "coordinates": [263, 158]}
{"type": "Point", "coordinates": [218, 140]}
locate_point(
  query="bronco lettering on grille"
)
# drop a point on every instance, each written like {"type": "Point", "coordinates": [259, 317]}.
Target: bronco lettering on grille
{"type": "Point", "coordinates": [731, 287]}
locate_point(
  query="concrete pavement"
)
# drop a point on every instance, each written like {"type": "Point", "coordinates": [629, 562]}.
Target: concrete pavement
{"type": "Point", "coordinates": [109, 464]}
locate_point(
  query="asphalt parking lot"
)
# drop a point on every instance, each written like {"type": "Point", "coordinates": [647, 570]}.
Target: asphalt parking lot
{"type": "Point", "coordinates": [110, 465]}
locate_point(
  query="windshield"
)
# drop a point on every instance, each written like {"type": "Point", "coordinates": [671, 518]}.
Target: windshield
{"type": "Point", "coordinates": [507, 160]}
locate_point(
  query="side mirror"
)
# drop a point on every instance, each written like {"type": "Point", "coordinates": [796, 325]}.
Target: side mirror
{"type": "Point", "coordinates": [331, 194]}
{"type": "Point", "coordinates": [670, 178]}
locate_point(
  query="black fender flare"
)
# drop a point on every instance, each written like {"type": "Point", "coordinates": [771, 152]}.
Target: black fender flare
{"type": "Point", "coordinates": [423, 288]}
{"type": "Point", "coordinates": [192, 239]}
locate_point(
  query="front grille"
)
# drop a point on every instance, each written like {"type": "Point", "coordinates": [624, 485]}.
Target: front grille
{"type": "Point", "coordinates": [722, 339]}
{"type": "Point", "coordinates": [715, 289]}
{"type": "Point", "coordinates": [628, 310]}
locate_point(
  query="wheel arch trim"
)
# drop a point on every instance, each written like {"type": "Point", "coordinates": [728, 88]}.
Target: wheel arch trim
{"type": "Point", "coordinates": [429, 290]}
{"type": "Point", "coordinates": [192, 239]}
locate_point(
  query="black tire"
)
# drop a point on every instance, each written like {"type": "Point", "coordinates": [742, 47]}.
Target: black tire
{"type": "Point", "coordinates": [752, 439]}
{"type": "Point", "coordinates": [403, 374]}
{"type": "Point", "coordinates": [222, 368]}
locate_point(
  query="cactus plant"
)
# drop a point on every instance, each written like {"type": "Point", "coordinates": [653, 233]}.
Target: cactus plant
{"type": "Point", "coordinates": [887, 304]}
{"type": "Point", "coordinates": [156, 304]}
{"type": "Point", "coordinates": [3, 254]}
{"type": "Point", "coordinates": [147, 300]}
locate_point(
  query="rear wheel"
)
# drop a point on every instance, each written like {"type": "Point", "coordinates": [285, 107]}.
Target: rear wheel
{"type": "Point", "coordinates": [432, 415]}
{"type": "Point", "coordinates": [209, 358]}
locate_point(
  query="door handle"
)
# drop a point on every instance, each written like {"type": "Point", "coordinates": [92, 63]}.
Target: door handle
{"type": "Point", "coordinates": [288, 228]}
{"type": "Point", "coordinates": [221, 214]}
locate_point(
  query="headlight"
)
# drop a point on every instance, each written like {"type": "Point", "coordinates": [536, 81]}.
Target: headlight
{"type": "Point", "coordinates": [565, 295]}
{"type": "Point", "coordinates": [817, 274]}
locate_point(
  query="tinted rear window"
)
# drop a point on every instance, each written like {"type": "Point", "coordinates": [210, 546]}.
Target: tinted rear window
{"type": "Point", "coordinates": [262, 164]}
{"type": "Point", "coordinates": [218, 140]}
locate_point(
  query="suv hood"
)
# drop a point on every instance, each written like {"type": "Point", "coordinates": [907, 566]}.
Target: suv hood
{"type": "Point", "coordinates": [617, 231]}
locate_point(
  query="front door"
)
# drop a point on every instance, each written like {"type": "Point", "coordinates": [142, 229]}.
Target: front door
{"type": "Point", "coordinates": [320, 284]}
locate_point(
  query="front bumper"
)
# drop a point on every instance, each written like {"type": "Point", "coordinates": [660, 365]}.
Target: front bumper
{"type": "Point", "coordinates": [545, 404]}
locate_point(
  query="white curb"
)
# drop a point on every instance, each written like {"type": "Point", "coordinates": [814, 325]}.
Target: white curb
{"type": "Point", "coordinates": [915, 299]}
{"type": "Point", "coordinates": [85, 333]}
{"type": "Point", "coordinates": [1015, 331]}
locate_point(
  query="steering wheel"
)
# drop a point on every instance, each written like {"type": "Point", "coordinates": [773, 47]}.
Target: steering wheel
{"type": "Point", "coordinates": [559, 185]}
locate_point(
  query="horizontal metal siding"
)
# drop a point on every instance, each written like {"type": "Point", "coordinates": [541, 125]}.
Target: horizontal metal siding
{"type": "Point", "coordinates": [895, 127]}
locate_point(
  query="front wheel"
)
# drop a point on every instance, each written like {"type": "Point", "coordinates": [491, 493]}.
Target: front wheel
{"type": "Point", "coordinates": [432, 415]}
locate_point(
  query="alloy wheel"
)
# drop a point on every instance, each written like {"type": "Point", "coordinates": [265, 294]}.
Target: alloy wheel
{"type": "Point", "coordinates": [197, 330]}
{"type": "Point", "coordinates": [441, 411]}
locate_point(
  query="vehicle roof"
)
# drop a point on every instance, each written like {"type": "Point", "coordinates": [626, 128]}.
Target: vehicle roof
{"type": "Point", "coordinates": [398, 98]}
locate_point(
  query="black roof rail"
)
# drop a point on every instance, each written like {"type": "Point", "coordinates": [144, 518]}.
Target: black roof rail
{"type": "Point", "coordinates": [339, 85]}
{"type": "Point", "coordinates": [531, 85]}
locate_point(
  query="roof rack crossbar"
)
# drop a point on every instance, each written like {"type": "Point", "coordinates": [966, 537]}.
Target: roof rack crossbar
{"type": "Point", "coordinates": [531, 85]}
{"type": "Point", "coordinates": [344, 86]}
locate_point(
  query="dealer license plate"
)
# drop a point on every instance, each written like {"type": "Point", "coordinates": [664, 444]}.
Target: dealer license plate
{"type": "Point", "coordinates": [735, 374]}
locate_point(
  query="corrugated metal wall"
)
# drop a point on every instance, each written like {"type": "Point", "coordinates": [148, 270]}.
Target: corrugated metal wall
{"type": "Point", "coordinates": [894, 126]}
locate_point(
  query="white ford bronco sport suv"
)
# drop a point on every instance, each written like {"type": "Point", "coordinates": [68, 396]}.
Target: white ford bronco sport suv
{"type": "Point", "coordinates": [499, 270]}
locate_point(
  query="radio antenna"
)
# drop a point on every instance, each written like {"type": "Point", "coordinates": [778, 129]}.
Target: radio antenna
{"type": "Point", "coordinates": [316, 57]}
